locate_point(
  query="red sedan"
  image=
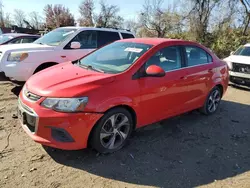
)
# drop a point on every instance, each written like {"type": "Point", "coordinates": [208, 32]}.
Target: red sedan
{"type": "Point", "coordinates": [100, 99]}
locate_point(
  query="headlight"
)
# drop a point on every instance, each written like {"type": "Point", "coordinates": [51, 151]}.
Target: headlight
{"type": "Point", "coordinates": [17, 56]}
{"type": "Point", "coordinates": [230, 65]}
{"type": "Point", "coordinates": [66, 104]}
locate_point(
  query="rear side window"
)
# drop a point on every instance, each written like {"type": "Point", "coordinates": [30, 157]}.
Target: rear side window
{"type": "Point", "coordinates": [127, 35]}
{"type": "Point", "coordinates": [16, 41]}
{"type": "Point", "coordinates": [105, 37]}
{"type": "Point", "coordinates": [28, 40]}
{"type": "Point", "coordinates": [197, 56]}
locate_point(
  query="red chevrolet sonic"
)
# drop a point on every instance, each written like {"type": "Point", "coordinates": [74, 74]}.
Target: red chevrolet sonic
{"type": "Point", "coordinates": [100, 99]}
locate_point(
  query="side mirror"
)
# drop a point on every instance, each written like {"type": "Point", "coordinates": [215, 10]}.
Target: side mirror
{"type": "Point", "coordinates": [155, 71]}
{"type": "Point", "coordinates": [232, 53]}
{"type": "Point", "coordinates": [75, 45]}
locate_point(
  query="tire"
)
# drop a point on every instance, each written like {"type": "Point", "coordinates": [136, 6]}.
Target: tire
{"type": "Point", "coordinates": [108, 135]}
{"type": "Point", "coordinates": [212, 102]}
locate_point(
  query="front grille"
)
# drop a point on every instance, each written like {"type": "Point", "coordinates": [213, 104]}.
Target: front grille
{"type": "Point", "coordinates": [31, 96]}
{"type": "Point", "coordinates": [242, 68]}
{"type": "Point", "coordinates": [27, 116]}
{"type": "Point", "coordinates": [29, 121]}
{"type": "Point", "coordinates": [28, 109]}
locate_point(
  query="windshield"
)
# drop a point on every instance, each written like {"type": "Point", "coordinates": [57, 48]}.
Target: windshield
{"type": "Point", "coordinates": [116, 57]}
{"type": "Point", "coordinates": [55, 37]}
{"type": "Point", "coordinates": [244, 51]}
{"type": "Point", "coordinates": [5, 38]}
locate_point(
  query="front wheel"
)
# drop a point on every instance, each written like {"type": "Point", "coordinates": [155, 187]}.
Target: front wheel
{"type": "Point", "coordinates": [112, 131]}
{"type": "Point", "coordinates": [212, 102]}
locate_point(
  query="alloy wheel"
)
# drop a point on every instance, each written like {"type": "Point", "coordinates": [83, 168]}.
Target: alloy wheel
{"type": "Point", "coordinates": [114, 131]}
{"type": "Point", "coordinates": [214, 101]}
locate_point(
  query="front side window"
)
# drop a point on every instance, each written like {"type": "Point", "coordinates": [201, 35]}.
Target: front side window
{"type": "Point", "coordinates": [56, 37]}
{"type": "Point", "coordinates": [87, 39]}
{"type": "Point", "coordinates": [197, 56]}
{"type": "Point", "coordinates": [116, 57]}
{"type": "Point", "coordinates": [106, 37]}
{"type": "Point", "coordinates": [28, 40]}
{"type": "Point", "coordinates": [168, 58]}
{"type": "Point", "coordinates": [244, 51]}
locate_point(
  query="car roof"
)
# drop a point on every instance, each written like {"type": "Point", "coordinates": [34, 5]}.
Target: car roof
{"type": "Point", "coordinates": [99, 29]}
{"type": "Point", "coordinates": [19, 34]}
{"type": "Point", "coordinates": [153, 41]}
{"type": "Point", "coordinates": [247, 45]}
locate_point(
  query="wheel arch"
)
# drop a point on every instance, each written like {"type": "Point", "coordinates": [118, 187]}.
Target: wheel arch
{"type": "Point", "coordinates": [125, 106]}
{"type": "Point", "coordinates": [44, 65]}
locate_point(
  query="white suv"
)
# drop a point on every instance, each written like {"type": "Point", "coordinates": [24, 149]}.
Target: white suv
{"type": "Point", "coordinates": [239, 65]}
{"type": "Point", "coordinates": [21, 61]}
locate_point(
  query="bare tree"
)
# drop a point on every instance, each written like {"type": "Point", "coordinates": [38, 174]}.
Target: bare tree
{"type": "Point", "coordinates": [157, 19]}
{"type": "Point", "coordinates": [58, 16]}
{"type": "Point", "coordinates": [7, 20]}
{"type": "Point", "coordinates": [35, 20]}
{"type": "Point", "coordinates": [19, 16]}
{"type": "Point", "coordinates": [108, 16]}
{"type": "Point", "coordinates": [246, 4]}
{"type": "Point", "coordinates": [86, 10]}
{"type": "Point", "coordinates": [199, 17]}
{"type": "Point", "coordinates": [1, 15]}
{"type": "Point", "coordinates": [131, 25]}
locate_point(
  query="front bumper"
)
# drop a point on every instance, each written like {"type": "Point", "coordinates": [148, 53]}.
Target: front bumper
{"type": "Point", "coordinates": [239, 78]}
{"type": "Point", "coordinates": [18, 71]}
{"type": "Point", "coordinates": [59, 130]}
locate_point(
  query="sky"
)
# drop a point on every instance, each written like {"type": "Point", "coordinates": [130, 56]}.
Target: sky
{"type": "Point", "coordinates": [128, 8]}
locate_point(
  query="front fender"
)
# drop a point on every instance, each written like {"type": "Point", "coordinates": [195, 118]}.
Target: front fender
{"type": "Point", "coordinates": [113, 102]}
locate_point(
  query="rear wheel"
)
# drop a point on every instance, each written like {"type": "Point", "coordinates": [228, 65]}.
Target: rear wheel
{"type": "Point", "coordinates": [213, 101]}
{"type": "Point", "coordinates": [112, 131]}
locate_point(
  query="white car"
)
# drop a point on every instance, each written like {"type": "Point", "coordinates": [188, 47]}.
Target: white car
{"type": "Point", "coordinates": [239, 65]}
{"type": "Point", "coordinates": [20, 61]}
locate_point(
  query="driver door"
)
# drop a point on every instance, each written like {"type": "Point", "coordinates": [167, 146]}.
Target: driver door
{"type": "Point", "coordinates": [88, 41]}
{"type": "Point", "coordinates": [162, 97]}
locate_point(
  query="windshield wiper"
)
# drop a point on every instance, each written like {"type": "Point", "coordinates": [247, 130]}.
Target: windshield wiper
{"type": "Point", "coordinates": [91, 68]}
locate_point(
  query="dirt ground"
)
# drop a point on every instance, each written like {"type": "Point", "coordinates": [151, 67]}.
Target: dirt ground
{"type": "Point", "coordinates": [191, 150]}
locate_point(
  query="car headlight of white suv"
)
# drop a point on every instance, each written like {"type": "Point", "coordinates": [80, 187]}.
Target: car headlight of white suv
{"type": "Point", "coordinates": [66, 104]}
{"type": "Point", "coordinates": [230, 65]}
{"type": "Point", "coordinates": [17, 56]}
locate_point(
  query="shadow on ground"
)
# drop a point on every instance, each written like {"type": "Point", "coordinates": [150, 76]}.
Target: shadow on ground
{"type": "Point", "coordinates": [3, 77]}
{"type": "Point", "coordinates": [18, 85]}
{"type": "Point", "coordinates": [17, 89]}
{"type": "Point", "coordinates": [185, 151]}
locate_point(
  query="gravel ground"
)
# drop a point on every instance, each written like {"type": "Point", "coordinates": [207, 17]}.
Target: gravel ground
{"type": "Point", "coordinates": [191, 150]}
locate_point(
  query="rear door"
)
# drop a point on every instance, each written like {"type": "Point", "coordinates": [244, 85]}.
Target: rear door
{"type": "Point", "coordinates": [165, 96]}
{"type": "Point", "coordinates": [199, 65]}
{"type": "Point", "coordinates": [28, 39]}
{"type": "Point", "coordinates": [106, 37]}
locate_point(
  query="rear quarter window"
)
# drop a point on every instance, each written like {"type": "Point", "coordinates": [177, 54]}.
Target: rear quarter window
{"type": "Point", "coordinates": [127, 36]}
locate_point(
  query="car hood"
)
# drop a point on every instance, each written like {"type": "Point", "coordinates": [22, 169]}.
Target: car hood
{"type": "Point", "coordinates": [25, 47]}
{"type": "Point", "coordinates": [66, 80]}
{"type": "Point", "coordinates": [238, 59]}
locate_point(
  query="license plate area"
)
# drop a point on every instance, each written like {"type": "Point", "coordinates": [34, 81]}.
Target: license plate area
{"type": "Point", "coordinates": [27, 120]}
